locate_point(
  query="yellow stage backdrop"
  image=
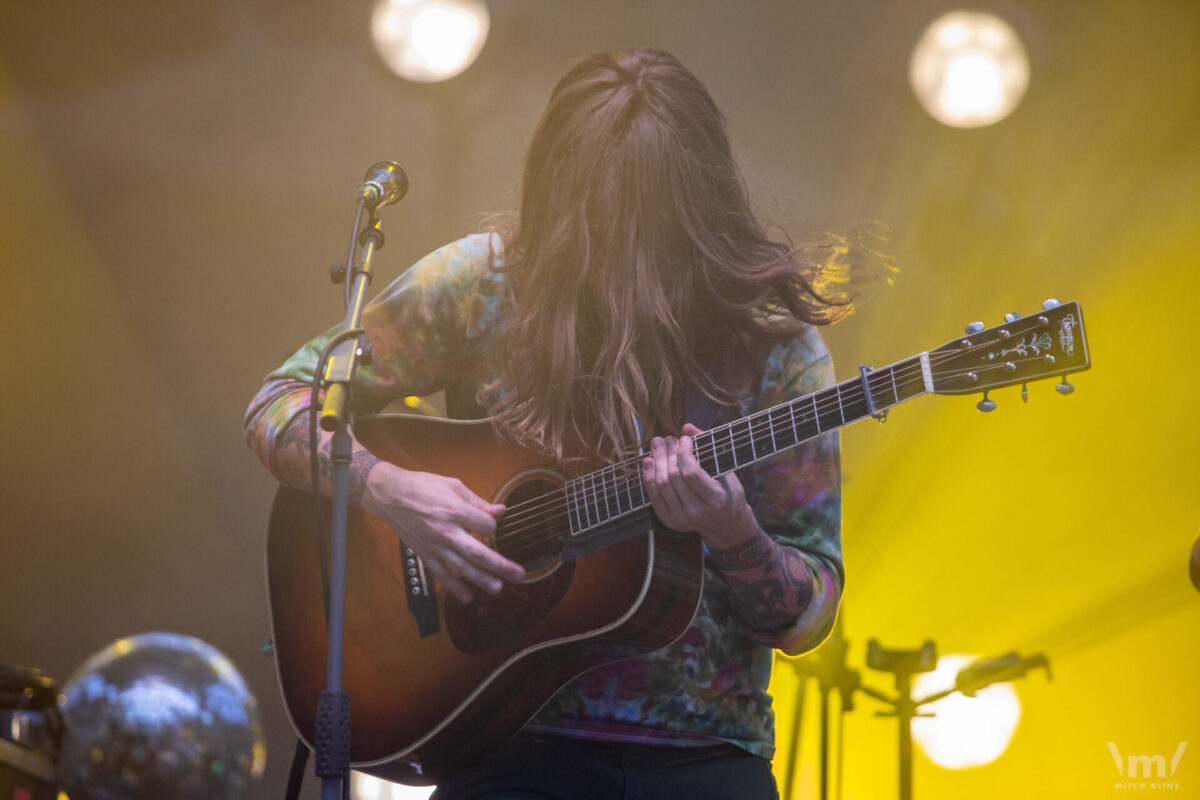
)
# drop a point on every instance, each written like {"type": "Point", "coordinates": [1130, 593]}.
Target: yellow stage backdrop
{"type": "Point", "coordinates": [1064, 525]}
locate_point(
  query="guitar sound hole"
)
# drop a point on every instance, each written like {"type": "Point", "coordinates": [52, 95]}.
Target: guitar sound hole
{"type": "Point", "coordinates": [526, 533]}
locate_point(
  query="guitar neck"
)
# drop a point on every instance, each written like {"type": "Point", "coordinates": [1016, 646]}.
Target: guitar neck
{"type": "Point", "coordinates": [598, 497]}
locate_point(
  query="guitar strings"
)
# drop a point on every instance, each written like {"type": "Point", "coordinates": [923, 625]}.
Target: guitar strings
{"type": "Point", "coordinates": [531, 515]}
{"type": "Point", "coordinates": [623, 471]}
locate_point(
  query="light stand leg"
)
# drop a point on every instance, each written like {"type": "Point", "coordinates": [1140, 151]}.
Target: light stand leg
{"type": "Point", "coordinates": [826, 692]}
{"type": "Point", "coordinates": [789, 774]}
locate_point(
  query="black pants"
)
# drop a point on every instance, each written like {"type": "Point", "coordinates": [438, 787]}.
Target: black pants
{"type": "Point", "coordinates": [560, 768]}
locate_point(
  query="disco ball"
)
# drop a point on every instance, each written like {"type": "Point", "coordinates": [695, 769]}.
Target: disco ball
{"type": "Point", "coordinates": [160, 715]}
{"type": "Point", "coordinates": [1194, 564]}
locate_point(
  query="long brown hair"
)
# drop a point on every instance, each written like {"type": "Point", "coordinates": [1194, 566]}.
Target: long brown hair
{"type": "Point", "coordinates": [639, 267]}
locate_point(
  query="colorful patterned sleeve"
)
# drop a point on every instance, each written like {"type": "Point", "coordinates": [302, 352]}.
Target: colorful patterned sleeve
{"type": "Point", "coordinates": [796, 495]}
{"type": "Point", "coordinates": [417, 327]}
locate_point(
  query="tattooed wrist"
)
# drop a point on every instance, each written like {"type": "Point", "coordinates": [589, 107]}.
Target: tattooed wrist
{"type": "Point", "coordinates": [754, 552]}
{"type": "Point", "coordinates": [361, 465]}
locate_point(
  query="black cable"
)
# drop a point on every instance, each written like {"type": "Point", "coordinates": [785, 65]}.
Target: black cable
{"type": "Point", "coordinates": [296, 776]}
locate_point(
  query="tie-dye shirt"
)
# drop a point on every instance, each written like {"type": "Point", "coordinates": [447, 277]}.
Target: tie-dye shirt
{"type": "Point", "coordinates": [434, 328]}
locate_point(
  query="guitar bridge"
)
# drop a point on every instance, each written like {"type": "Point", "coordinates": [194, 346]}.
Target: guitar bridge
{"type": "Point", "coordinates": [422, 602]}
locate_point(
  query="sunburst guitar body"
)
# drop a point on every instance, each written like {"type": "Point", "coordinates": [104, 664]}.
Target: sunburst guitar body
{"type": "Point", "coordinates": [425, 705]}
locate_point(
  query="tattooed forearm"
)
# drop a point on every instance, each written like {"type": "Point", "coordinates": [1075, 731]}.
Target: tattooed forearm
{"type": "Point", "coordinates": [293, 465]}
{"type": "Point", "coordinates": [325, 461]}
{"type": "Point", "coordinates": [291, 461]}
{"type": "Point", "coordinates": [797, 577]}
{"type": "Point", "coordinates": [760, 603]}
{"type": "Point", "coordinates": [769, 583]}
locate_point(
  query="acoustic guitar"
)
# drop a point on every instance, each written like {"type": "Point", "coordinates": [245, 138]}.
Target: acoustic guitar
{"type": "Point", "coordinates": [436, 684]}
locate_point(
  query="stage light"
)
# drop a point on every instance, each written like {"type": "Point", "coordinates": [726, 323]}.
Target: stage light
{"type": "Point", "coordinates": [366, 787]}
{"type": "Point", "coordinates": [429, 40]}
{"type": "Point", "coordinates": [969, 69]}
{"type": "Point", "coordinates": [966, 731]}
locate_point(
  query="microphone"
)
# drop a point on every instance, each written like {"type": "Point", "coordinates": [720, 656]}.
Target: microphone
{"type": "Point", "coordinates": [384, 184]}
{"type": "Point", "coordinates": [982, 672]}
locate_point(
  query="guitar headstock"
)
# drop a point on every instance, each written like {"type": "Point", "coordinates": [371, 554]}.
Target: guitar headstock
{"type": "Point", "coordinates": [1046, 344]}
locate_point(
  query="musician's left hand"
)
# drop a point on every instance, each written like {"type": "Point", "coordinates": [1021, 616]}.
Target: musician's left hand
{"type": "Point", "coordinates": [686, 498]}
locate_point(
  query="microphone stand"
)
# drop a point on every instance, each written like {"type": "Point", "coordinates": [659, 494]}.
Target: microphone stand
{"type": "Point", "coordinates": [904, 664]}
{"type": "Point", "coordinates": [828, 665]}
{"type": "Point", "coordinates": [333, 709]}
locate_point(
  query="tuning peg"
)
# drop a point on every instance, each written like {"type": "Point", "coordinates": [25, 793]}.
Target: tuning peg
{"type": "Point", "coordinates": [365, 354]}
{"type": "Point", "coordinates": [986, 405]}
{"type": "Point", "coordinates": [1064, 387]}
{"type": "Point", "coordinates": [1024, 392]}
{"type": "Point", "coordinates": [1012, 316]}
{"type": "Point", "coordinates": [975, 327]}
{"type": "Point", "coordinates": [337, 272]}
{"type": "Point", "coordinates": [1050, 303]}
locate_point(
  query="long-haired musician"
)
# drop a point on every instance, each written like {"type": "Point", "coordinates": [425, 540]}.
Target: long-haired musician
{"type": "Point", "coordinates": [633, 295]}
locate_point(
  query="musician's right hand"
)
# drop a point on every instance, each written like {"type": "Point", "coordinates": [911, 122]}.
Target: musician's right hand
{"type": "Point", "coordinates": [437, 515]}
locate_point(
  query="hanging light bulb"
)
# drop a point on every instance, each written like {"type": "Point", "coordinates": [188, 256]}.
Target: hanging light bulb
{"type": "Point", "coordinates": [969, 69]}
{"type": "Point", "coordinates": [429, 40]}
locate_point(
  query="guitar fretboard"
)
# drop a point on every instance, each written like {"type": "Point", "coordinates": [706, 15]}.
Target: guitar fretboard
{"type": "Point", "coordinates": [616, 490]}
